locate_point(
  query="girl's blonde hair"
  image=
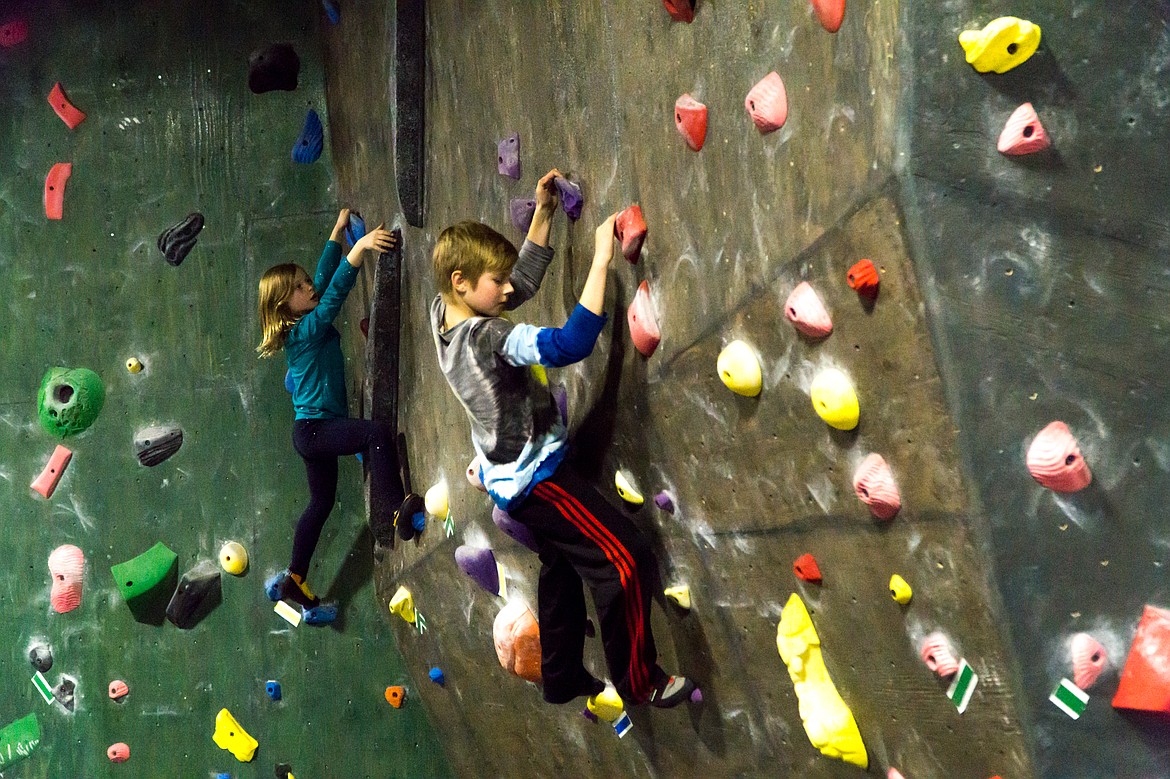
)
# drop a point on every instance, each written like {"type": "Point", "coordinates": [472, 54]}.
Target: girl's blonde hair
{"type": "Point", "coordinates": [276, 287]}
{"type": "Point", "coordinates": [475, 249]}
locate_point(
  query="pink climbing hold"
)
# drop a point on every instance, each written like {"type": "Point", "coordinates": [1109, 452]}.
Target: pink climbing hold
{"type": "Point", "coordinates": [690, 117]}
{"type": "Point", "coordinates": [1023, 133]}
{"type": "Point", "coordinates": [55, 189]}
{"type": "Point", "coordinates": [640, 317]}
{"type": "Point", "coordinates": [46, 483]}
{"type": "Point", "coordinates": [67, 566]}
{"type": "Point", "coordinates": [516, 636]}
{"type": "Point", "coordinates": [1055, 460]}
{"type": "Point", "coordinates": [69, 113]}
{"type": "Point", "coordinates": [894, 773]}
{"type": "Point", "coordinates": [630, 229]}
{"type": "Point", "coordinates": [805, 310]}
{"type": "Point", "coordinates": [118, 690]}
{"type": "Point", "coordinates": [873, 481]}
{"type": "Point", "coordinates": [1089, 660]}
{"type": "Point", "coordinates": [472, 474]}
{"type": "Point", "coordinates": [936, 652]}
{"type": "Point", "coordinates": [13, 32]}
{"type": "Point", "coordinates": [118, 753]}
{"type": "Point", "coordinates": [767, 103]}
{"type": "Point", "coordinates": [830, 13]}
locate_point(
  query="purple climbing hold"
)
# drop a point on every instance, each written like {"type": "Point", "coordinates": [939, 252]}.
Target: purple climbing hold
{"type": "Point", "coordinates": [522, 210]}
{"type": "Point", "coordinates": [571, 197]}
{"type": "Point", "coordinates": [518, 532]}
{"type": "Point", "coordinates": [588, 715]}
{"type": "Point", "coordinates": [663, 501]}
{"type": "Point", "coordinates": [696, 695]}
{"type": "Point", "coordinates": [561, 398]}
{"type": "Point", "coordinates": [480, 564]}
{"type": "Point", "coordinates": [509, 156]}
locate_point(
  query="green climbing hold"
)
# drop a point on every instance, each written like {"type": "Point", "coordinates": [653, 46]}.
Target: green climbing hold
{"type": "Point", "coordinates": [18, 740]}
{"type": "Point", "coordinates": [147, 581]}
{"type": "Point", "coordinates": [69, 400]}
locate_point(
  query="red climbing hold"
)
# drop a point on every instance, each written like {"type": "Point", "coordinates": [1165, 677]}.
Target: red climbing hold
{"type": "Point", "coordinates": [690, 117]}
{"type": "Point", "coordinates": [640, 317]}
{"type": "Point", "coordinates": [863, 278]}
{"type": "Point", "coordinates": [630, 229]}
{"type": "Point", "coordinates": [680, 10]}
{"type": "Point", "coordinates": [1023, 133]}
{"type": "Point", "coordinates": [1145, 679]}
{"type": "Point", "coordinates": [767, 103]}
{"type": "Point", "coordinates": [830, 13]}
{"type": "Point", "coordinates": [806, 568]}
{"type": "Point", "coordinates": [69, 113]}
{"type": "Point", "coordinates": [55, 189]}
{"type": "Point", "coordinates": [1055, 460]}
{"type": "Point", "coordinates": [118, 753]}
{"type": "Point", "coordinates": [364, 326]}
{"type": "Point", "coordinates": [46, 483]}
{"type": "Point", "coordinates": [13, 32]}
{"type": "Point", "coordinates": [805, 310]}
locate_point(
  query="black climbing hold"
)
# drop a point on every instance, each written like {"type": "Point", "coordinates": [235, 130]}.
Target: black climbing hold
{"type": "Point", "coordinates": [283, 770]}
{"type": "Point", "coordinates": [41, 656]}
{"type": "Point", "coordinates": [198, 593]}
{"type": "Point", "coordinates": [311, 140]}
{"type": "Point", "coordinates": [64, 692]}
{"type": "Point", "coordinates": [152, 445]}
{"type": "Point", "coordinates": [176, 241]}
{"type": "Point", "coordinates": [276, 67]}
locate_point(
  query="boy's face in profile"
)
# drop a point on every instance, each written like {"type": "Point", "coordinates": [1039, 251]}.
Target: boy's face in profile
{"type": "Point", "coordinates": [488, 295]}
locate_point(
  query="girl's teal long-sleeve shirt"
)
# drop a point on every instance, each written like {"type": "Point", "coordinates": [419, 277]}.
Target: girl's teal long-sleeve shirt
{"type": "Point", "coordinates": [313, 346]}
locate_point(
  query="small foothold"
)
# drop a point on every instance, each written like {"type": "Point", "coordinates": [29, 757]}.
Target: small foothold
{"type": "Point", "coordinates": [355, 230]}
{"type": "Point", "coordinates": [807, 569]}
{"type": "Point", "coordinates": [66, 693]}
{"type": "Point", "coordinates": [1054, 459]}
{"type": "Point", "coordinates": [67, 568]}
{"type": "Point", "coordinates": [696, 695]}
{"type": "Point", "coordinates": [154, 445]}
{"type": "Point", "coordinates": [118, 753]}
{"type": "Point", "coordinates": [508, 156]}
{"type": "Point", "coordinates": [680, 595]}
{"type": "Point", "coordinates": [936, 652]}
{"type": "Point", "coordinates": [663, 501]}
{"type": "Point", "coordinates": [830, 13]}
{"type": "Point", "coordinates": [900, 590]}
{"type": "Point", "coordinates": [364, 326]}
{"type": "Point", "coordinates": [275, 67]}
{"type": "Point", "coordinates": [1002, 45]}
{"type": "Point", "coordinates": [480, 564]}
{"type": "Point", "coordinates": [402, 604]}
{"type": "Point", "coordinates": [894, 773]}
{"type": "Point", "coordinates": [834, 400]}
{"type": "Point", "coordinates": [283, 771]}
{"type": "Point", "coordinates": [739, 369]}
{"type": "Point", "coordinates": [55, 189]}
{"type": "Point", "coordinates": [272, 690]}
{"type": "Point", "coordinates": [472, 474]}
{"type": "Point", "coordinates": [626, 490]}
{"type": "Point", "coordinates": [396, 696]}
{"type": "Point", "coordinates": [198, 592]}
{"type": "Point", "coordinates": [13, 33]}
{"type": "Point", "coordinates": [805, 310]}
{"type": "Point", "coordinates": [68, 112]}
{"type": "Point", "coordinates": [332, 11]}
{"type": "Point", "coordinates": [521, 210]}
{"type": "Point", "coordinates": [864, 279]}
{"type": "Point", "coordinates": [177, 241]}
{"type": "Point", "coordinates": [230, 736]}
{"type": "Point", "coordinates": [1089, 660]}
{"type": "Point", "coordinates": [515, 530]}
{"type": "Point", "coordinates": [874, 484]}
{"type": "Point", "coordinates": [118, 690]}
{"type": "Point", "coordinates": [767, 103]}
{"type": "Point", "coordinates": [516, 636]}
{"type": "Point", "coordinates": [572, 199]}
{"type": "Point", "coordinates": [640, 317]}
{"type": "Point", "coordinates": [630, 229]}
{"type": "Point", "coordinates": [46, 483]}
{"type": "Point", "coordinates": [1023, 133]}
{"type": "Point", "coordinates": [308, 145]}
{"type": "Point", "coordinates": [680, 10]}
{"type": "Point", "coordinates": [1145, 678]}
{"type": "Point", "coordinates": [233, 558]}
{"type": "Point", "coordinates": [134, 365]}
{"type": "Point", "coordinates": [41, 657]}
{"type": "Point", "coordinates": [69, 400]}
{"type": "Point", "coordinates": [437, 676]}
{"type": "Point", "coordinates": [690, 117]}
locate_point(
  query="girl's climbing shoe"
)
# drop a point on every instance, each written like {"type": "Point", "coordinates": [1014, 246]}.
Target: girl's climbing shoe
{"type": "Point", "coordinates": [298, 593]}
{"type": "Point", "coordinates": [321, 614]}
{"type": "Point", "coordinates": [273, 584]}
{"type": "Point", "coordinates": [404, 517]}
{"type": "Point", "coordinates": [671, 692]}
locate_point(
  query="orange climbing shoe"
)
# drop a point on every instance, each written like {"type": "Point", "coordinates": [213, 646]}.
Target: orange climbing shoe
{"type": "Point", "coordinates": [672, 691]}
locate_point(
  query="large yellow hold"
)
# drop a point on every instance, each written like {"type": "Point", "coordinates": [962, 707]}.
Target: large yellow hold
{"type": "Point", "coordinates": [834, 400]}
{"type": "Point", "coordinates": [1001, 45]}
{"type": "Point", "coordinates": [739, 369]}
{"type": "Point", "coordinates": [827, 720]}
{"type": "Point", "coordinates": [607, 704]}
{"type": "Point", "coordinates": [402, 604]}
{"type": "Point", "coordinates": [230, 736]}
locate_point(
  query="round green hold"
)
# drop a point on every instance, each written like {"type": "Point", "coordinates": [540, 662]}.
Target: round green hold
{"type": "Point", "coordinates": [69, 400]}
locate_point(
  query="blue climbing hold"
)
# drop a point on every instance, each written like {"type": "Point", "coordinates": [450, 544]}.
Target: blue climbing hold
{"type": "Point", "coordinates": [223, 776]}
{"type": "Point", "coordinates": [273, 690]}
{"type": "Point", "coordinates": [323, 614]}
{"type": "Point", "coordinates": [419, 521]}
{"type": "Point", "coordinates": [332, 11]}
{"type": "Point", "coordinates": [311, 140]}
{"type": "Point", "coordinates": [289, 384]}
{"type": "Point", "coordinates": [437, 676]}
{"type": "Point", "coordinates": [272, 585]}
{"type": "Point", "coordinates": [356, 229]}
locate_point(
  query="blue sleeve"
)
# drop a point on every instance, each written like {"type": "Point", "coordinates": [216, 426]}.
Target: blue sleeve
{"type": "Point", "coordinates": [327, 265]}
{"type": "Point", "coordinates": [328, 307]}
{"type": "Point", "coordinates": [555, 347]}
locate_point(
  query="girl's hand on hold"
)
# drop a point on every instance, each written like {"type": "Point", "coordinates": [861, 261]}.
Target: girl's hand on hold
{"type": "Point", "coordinates": [379, 240]}
{"type": "Point", "coordinates": [603, 241]}
{"type": "Point", "coordinates": [342, 220]}
{"type": "Point", "coordinates": [546, 191]}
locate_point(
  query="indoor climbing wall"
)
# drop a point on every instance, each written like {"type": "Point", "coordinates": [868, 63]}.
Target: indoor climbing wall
{"type": "Point", "coordinates": [134, 270]}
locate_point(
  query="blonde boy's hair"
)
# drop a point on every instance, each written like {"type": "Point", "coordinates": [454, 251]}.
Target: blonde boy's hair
{"type": "Point", "coordinates": [473, 248]}
{"type": "Point", "coordinates": [276, 287]}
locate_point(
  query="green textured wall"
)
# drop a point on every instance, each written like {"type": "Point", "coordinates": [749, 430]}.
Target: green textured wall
{"type": "Point", "coordinates": [172, 128]}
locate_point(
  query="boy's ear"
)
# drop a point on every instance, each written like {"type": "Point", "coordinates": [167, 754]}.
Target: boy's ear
{"type": "Point", "coordinates": [458, 281]}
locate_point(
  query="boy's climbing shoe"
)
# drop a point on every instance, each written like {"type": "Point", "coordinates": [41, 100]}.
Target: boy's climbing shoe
{"type": "Point", "coordinates": [298, 592]}
{"type": "Point", "coordinates": [671, 692]}
{"type": "Point", "coordinates": [321, 614]}
{"type": "Point", "coordinates": [382, 528]}
{"type": "Point", "coordinates": [404, 517]}
{"type": "Point", "coordinates": [273, 584]}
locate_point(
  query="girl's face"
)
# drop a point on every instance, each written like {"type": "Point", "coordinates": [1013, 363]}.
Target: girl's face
{"type": "Point", "coordinates": [304, 297]}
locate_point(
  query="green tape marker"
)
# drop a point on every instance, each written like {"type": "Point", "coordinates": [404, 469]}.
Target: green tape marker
{"type": "Point", "coordinates": [1070, 699]}
{"type": "Point", "coordinates": [962, 686]}
{"type": "Point", "coordinates": [420, 622]}
{"type": "Point", "coordinates": [449, 524]}
{"type": "Point", "coordinates": [43, 687]}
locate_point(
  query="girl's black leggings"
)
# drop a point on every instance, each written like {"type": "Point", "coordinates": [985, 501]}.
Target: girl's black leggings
{"type": "Point", "coordinates": [320, 442]}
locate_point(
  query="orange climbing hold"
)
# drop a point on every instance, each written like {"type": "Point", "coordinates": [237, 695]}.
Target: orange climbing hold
{"type": "Point", "coordinates": [767, 103]}
{"type": "Point", "coordinates": [55, 189]}
{"type": "Point", "coordinates": [680, 10]}
{"type": "Point", "coordinates": [830, 13]}
{"type": "Point", "coordinates": [807, 569]}
{"type": "Point", "coordinates": [396, 696]}
{"type": "Point", "coordinates": [805, 310]}
{"type": "Point", "coordinates": [118, 753]}
{"type": "Point", "coordinates": [873, 481]}
{"type": "Point", "coordinates": [863, 278]}
{"type": "Point", "coordinates": [1023, 133]}
{"type": "Point", "coordinates": [1055, 460]}
{"type": "Point", "coordinates": [46, 483]}
{"type": "Point", "coordinates": [630, 229]}
{"type": "Point", "coordinates": [68, 112]}
{"type": "Point", "coordinates": [1145, 679]}
{"type": "Point", "coordinates": [640, 317]}
{"type": "Point", "coordinates": [517, 639]}
{"type": "Point", "coordinates": [690, 117]}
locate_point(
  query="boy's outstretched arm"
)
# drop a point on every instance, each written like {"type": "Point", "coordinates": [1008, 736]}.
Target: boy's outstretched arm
{"type": "Point", "coordinates": [546, 207]}
{"type": "Point", "coordinates": [535, 254]}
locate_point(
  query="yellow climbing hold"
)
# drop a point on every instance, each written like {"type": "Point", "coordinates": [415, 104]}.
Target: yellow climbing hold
{"type": "Point", "coordinates": [827, 720]}
{"type": "Point", "coordinates": [1001, 45]}
{"type": "Point", "coordinates": [230, 736]}
{"type": "Point", "coordinates": [680, 594]}
{"type": "Point", "coordinates": [607, 704]}
{"type": "Point", "coordinates": [900, 590]}
{"type": "Point", "coordinates": [739, 369]}
{"type": "Point", "coordinates": [834, 400]}
{"type": "Point", "coordinates": [626, 490]}
{"type": "Point", "coordinates": [233, 558]}
{"type": "Point", "coordinates": [436, 500]}
{"type": "Point", "coordinates": [402, 604]}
